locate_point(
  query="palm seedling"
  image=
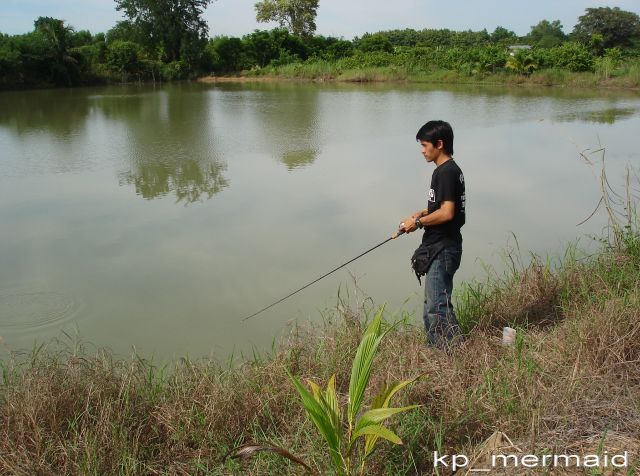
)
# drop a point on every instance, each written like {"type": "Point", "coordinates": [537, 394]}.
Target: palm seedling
{"type": "Point", "coordinates": [343, 437]}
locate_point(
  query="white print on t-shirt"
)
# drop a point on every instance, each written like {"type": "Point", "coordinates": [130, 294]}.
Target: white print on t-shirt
{"type": "Point", "coordinates": [432, 195]}
{"type": "Point", "coordinates": [461, 178]}
{"type": "Point", "coordinates": [463, 199]}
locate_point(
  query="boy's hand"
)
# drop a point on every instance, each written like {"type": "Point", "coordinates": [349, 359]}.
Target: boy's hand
{"type": "Point", "coordinates": [408, 224]}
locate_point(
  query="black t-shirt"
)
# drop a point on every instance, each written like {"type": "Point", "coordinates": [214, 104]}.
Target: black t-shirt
{"type": "Point", "coordinates": [447, 184]}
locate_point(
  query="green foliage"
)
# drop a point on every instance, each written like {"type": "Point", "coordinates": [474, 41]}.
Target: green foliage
{"type": "Point", "coordinates": [227, 54]}
{"type": "Point", "coordinates": [324, 411]}
{"type": "Point", "coordinates": [546, 34]}
{"type": "Point", "coordinates": [298, 16]}
{"type": "Point", "coordinates": [572, 56]}
{"type": "Point", "coordinates": [522, 62]}
{"type": "Point", "coordinates": [262, 47]}
{"type": "Point", "coordinates": [471, 60]}
{"type": "Point", "coordinates": [174, 70]}
{"type": "Point", "coordinates": [176, 28]}
{"type": "Point", "coordinates": [81, 38]}
{"type": "Point", "coordinates": [10, 61]}
{"type": "Point", "coordinates": [432, 38]}
{"type": "Point", "coordinates": [368, 60]}
{"type": "Point", "coordinates": [607, 64]}
{"type": "Point", "coordinates": [503, 36]}
{"type": "Point", "coordinates": [123, 57]}
{"type": "Point", "coordinates": [125, 31]}
{"type": "Point", "coordinates": [376, 42]}
{"type": "Point", "coordinates": [339, 49]}
{"type": "Point", "coordinates": [44, 57]}
{"type": "Point", "coordinates": [57, 37]}
{"type": "Point", "coordinates": [616, 27]}
{"type": "Point", "coordinates": [170, 44]}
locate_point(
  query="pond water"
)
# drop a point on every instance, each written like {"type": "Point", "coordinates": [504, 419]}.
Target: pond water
{"type": "Point", "coordinates": [157, 217]}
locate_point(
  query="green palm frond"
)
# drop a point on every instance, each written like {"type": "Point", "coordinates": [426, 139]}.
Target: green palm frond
{"type": "Point", "coordinates": [372, 418]}
{"type": "Point", "coordinates": [362, 363]}
{"type": "Point", "coordinates": [322, 420]}
{"type": "Point", "coordinates": [380, 431]}
{"type": "Point", "coordinates": [382, 400]}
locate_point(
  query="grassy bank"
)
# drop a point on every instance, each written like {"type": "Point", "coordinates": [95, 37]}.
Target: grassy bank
{"type": "Point", "coordinates": [625, 76]}
{"type": "Point", "coordinates": [571, 383]}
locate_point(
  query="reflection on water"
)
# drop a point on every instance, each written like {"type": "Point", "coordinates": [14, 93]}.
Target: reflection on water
{"type": "Point", "coordinates": [289, 128]}
{"type": "Point", "coordinates": [294, 159]}
{"type": "Point", "coordinates": [170, 147]}
{"type": "Point", "coordinates": [188, 179]}
{"type": "Point", "coordinates": [61, 113]}
{"type": "Point", "coordinates": [605, 116]}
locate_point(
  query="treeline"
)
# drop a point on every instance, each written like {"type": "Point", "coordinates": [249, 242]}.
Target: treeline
{"type": "Point", "coordinates": [54, 54]}
{"type": "Point", "coordinates": [603, 39]}
{"type": "Point", "coordinates": [162, 44]}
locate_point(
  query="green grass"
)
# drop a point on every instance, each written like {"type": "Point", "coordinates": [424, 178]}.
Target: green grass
{"type": "Point", "coordinates": [626, 75]}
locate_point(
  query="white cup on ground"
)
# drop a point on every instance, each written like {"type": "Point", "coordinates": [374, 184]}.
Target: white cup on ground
{"type": "Point", "coordinates": [508, 336]}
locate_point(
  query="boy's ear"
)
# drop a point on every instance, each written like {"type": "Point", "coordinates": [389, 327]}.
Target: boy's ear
{"type": "Point", "coordinates": [439, 144]}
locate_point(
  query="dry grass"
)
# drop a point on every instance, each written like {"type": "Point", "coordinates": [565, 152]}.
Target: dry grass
{"type": "Point", "coordinates": [571, 383]}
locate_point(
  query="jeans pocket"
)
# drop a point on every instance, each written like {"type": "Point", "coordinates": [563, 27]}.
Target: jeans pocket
{"type": "Point", "coordinates": [452, 260]}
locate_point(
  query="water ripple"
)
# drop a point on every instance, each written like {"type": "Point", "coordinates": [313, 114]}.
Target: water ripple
{"type": "Point", "coordinates": [28, 308]}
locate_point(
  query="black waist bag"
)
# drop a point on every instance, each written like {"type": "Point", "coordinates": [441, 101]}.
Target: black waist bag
{"type": "Point", "coordinates": [423, 257]}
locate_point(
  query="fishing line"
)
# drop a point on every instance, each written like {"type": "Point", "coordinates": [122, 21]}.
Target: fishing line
{"type": "Point", "coordinates": [393, 237]}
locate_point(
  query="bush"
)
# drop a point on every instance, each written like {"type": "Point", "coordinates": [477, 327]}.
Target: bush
{"type": "Point", "coordinates": [123, 57]}
{"type": "Point", "coordinates": [572, 56]}
{"type": "Point", "coordinates": [226, 54]}
{"type": "Point", "coordinates": [174, 70]}
{"type": "Point", "coordinates": [377, 42]}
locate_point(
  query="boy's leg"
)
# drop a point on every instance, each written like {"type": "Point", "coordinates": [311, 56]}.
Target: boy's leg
{"type": "Point", "coordinates": [440, 320]}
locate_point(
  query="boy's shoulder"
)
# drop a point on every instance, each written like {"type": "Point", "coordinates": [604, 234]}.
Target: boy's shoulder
{"type": "Point", "coordinates": [449, 167]}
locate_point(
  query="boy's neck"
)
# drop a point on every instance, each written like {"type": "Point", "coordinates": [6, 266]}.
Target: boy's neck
{"type": "Point", "coordinates": [442, 159]}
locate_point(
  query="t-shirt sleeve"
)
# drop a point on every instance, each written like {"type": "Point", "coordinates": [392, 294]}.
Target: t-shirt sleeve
{"type": "Point", "coordinates": [447, 190]}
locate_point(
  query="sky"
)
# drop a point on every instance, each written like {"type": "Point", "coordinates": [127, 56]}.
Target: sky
{"type": "Point", "coordinates": [339, 18]}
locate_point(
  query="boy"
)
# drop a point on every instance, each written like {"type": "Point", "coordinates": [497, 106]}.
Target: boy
{"type": "Point", "coordinates": [438, 256]}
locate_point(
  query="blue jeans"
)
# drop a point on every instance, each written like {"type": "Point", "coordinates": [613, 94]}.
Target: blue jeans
{"type": "Point", "coordinates": [440, 321]}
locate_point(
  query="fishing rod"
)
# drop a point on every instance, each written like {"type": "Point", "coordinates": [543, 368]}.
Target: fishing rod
{"type": "Point", "coordinates": [392, 237]}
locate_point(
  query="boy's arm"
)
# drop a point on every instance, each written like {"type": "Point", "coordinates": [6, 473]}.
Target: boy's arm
{"type": "Point", "coordinates": [443, 214]}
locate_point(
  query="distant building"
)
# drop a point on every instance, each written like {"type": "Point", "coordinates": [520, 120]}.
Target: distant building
{"type": "Point", "coordinates": [513, 49]}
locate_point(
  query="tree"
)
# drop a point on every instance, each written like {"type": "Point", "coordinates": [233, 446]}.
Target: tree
{"type": "Point", "coordinates": [339, 49]}
{"type": "Point", "coordinates": [547, 34]}
{"type": "Point", "coordinates": [10, 64]}
{"type": "Point", "coordinates": [58, 37]}
{"type": "Point", "coordinates": [617, 27]}
{"type": "Point", "coordinates": [375, 42]}
{"type": "Point", "coordinates": [226, 54]}
{"type": "Point", "coordinates": [522, 62]}
{"type": "Point", "coordinates": [175, 26]}
{"type": "Point", "coordinates": [125, 31]}
{"type": "Point", "coordinates": [298, 16]}
{"type": "Point", "coordinates": [502, 35]}
{"type": "Point", "coordinates": [124, 57]}
{"type": "Point", "coordinates": [265, 46]}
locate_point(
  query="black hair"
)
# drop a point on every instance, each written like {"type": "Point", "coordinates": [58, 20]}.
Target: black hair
{"type": "Point", "coordinates": [433, 131]}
